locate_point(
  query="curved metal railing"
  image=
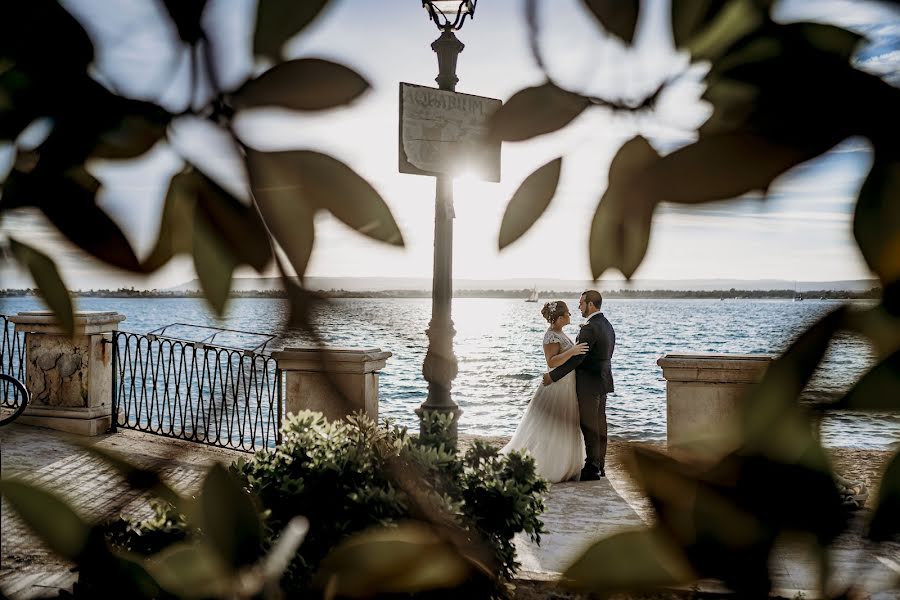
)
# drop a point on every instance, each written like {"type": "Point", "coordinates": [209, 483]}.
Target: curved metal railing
{"type": "Point", "coordinates": [196, 391]}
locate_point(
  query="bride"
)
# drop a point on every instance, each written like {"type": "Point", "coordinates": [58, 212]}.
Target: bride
{"type": "Point", "coordinates": [549, 430]}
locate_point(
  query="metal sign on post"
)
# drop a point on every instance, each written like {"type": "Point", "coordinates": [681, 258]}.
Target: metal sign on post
{"type": "Point", "coordinates": [444, 133]}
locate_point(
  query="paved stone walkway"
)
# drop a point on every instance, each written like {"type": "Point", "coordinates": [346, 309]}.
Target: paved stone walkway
{"type": "Point", "coordinates": [577, 514]}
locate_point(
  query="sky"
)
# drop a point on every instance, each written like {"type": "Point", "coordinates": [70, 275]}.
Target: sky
{"type": "Point", "coordinates": [801, 232]}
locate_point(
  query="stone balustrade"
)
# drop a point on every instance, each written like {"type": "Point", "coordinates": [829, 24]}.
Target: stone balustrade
{"type": "Point", "coordinates": [704, 393]}
{"type": "Point", "coordinates": [333, 381]}
{"type": "Point", "coordinates": [69, 378]}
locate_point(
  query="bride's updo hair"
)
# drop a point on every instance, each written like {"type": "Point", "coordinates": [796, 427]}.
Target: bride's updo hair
{"type": "Point", "coordinates": [554, 310]}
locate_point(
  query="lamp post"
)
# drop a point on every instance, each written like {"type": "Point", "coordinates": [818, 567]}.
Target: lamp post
{"type": "Point", "coordinates": [440, 366]}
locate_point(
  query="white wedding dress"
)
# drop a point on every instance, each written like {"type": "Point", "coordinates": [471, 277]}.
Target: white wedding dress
{"type": "Point", "coordinates": [549, 430]}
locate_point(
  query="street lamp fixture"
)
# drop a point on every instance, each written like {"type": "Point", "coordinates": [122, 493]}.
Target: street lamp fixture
{"type": "Point", "coordinates": [440, 366]}
{"type": "Point", "coordinates": [449, 14]}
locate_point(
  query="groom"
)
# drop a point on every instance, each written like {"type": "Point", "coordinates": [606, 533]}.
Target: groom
{"type": "Point", "coordinates": [593, 380]}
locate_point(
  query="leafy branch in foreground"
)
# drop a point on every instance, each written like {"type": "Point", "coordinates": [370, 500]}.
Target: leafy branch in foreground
{"type": "Point", "coordinates": [89, 121]}
{"type": "Point", "coordinates": [781, 94]}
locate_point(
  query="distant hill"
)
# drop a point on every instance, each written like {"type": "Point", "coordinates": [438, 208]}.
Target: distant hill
{"type": "Point", "coordinates": [378, 284]}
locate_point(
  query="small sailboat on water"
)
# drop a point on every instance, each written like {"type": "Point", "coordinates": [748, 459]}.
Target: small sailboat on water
{"type": "Point", "coordinates": [533, 296]}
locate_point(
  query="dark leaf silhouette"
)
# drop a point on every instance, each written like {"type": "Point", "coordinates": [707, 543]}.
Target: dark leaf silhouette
{"type": "Point", "coordinates": [303, 84]}
{"type": "Point", "coordinates": [177, 223]}
{"type": "Point", "coordinates": [323, 182]}
{"type": "Point", "coordinates": [534, 111]}
{"type": "Point", "coordinates": [279, 20]}
{"type": "Point", "coordinates": [237, 224]}
{"type": "Point", "coordinates": [773, 423]}
{"type": "Point", "coordinates": [618, 17]}
{"type": "Point", "coordinates": [720, 167]}
{"type": "Point", "coordinates": [68, 200]}
{"type": "Point", "coordinates": [723, 27]}
{"type": "Point", "coordinates": [876, 222]}
{"type": "Point", "coordinates": [187, 15]}
{"type": "Point", "coordinates": [620, 230]}
{"type": "Point", "coordinates": [718, 535]}
{"type": "Point", "coordinates": [878, 389]}
{"type": "Point", "coordinates": [230, 519]}
{"type": "Point", "coordinates": [191, 570]}
{"type": "Point", "coordinates": [529, 202]}
{"type": "Point", "coordinates": [691, 16]}
{"type": "Point", "coordinates": [214, 263]}
{"type": "Point", "coordinates": [631, 560]}
{"type": "Point", "coordinates": [284, 207]}
{"type": "Point", "coordinates": [47, 279]}
{"type": "Point", "coordinates": [885, 522]}
{"type": "Point", "coordinates": [49, 517]}
{"type": "Point", "coordinates": [406, 559]}
{"type": "Point", "coordinates": [829, 38]}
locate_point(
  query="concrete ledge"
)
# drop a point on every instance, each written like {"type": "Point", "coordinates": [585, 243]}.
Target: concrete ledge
{"type": "Point", "coordinates": [714, 368]}
{"type": "Point", "coordinates": [87, 322]}
{"type": "Point", "coordinates": [79, 426]}
{"type": "Point", "coordinates": [332, 360]}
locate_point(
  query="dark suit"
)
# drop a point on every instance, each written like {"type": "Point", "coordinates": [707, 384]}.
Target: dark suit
{"type": "Point", "coordinates": [593, 381]}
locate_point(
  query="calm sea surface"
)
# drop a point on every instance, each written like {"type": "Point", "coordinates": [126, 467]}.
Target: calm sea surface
{"type": "Point", "coordinates": [498, 344]}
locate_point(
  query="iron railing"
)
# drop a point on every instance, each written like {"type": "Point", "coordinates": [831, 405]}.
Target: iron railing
{"type": "Point", "coordinates": [12, 363]}
{"type": "Point", "coordinates": [191, 390]}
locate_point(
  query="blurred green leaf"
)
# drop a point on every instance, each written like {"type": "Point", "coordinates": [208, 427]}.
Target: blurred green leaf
{"type": "Point", "coordinates": [277, 21]}
{"type": "Point", "coordinates": [50, 518]}
{"type": "Point", "coordinates": [230, 519]}
{"type": "Point", "coordinates": [302, 84]}
{"type": "Point", "coordinates": [191, 570]}
{"type": "Point", "coordinates": [876, 222]}
{"type": "Point", "coordinates": [691, 16]}
{"type": "Point", "coordinates": [47, 279]}
{"type": "Point", "coordinates": [620, 230]}
{"type": "Point", "coordinates": [618, 17]}
{"type": "Point", "coordinates": [176, 225]}
{"type": "Point", "coordinates": [407, 558]}
{"type": "Point", "coordinates": [629, 561]}
{"type": "Point", "coordinates": [730, 23]}
{"type": "Point", "coordinates": [878, 389]}
{"type": "Point", "coordinates": [534, 111]}
{"type": "Point", "coordinates": [130, 129]}
{"type": "Point", "coordinates": [529, 202]}
{"type": "Point", "coordinates": [238, 225]}
{"type": "Point", "coordinates": [187, 15]}
{"type": "Point", "coordinates": [885, 522]}
{"type": "Point", "coordinates": [287, 184]}
{"type": "Point", "coordinates": [772, 422]}
{"type": "Point", "coordinates": [719, 167]}
{"type": "Point", "coordinates": [214, 263]}
{"type": "Point", "coordinates": [68, 200]}
{"type": "Point", "coordinates": [829, 38]}
{"type": "Point", "coordinates": [719, 536]}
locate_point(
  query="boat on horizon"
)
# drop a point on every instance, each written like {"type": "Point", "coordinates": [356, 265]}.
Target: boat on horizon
{"type": "Point", "coordinates": [533, 296]}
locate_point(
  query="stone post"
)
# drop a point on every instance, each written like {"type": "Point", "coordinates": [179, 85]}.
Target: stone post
{"type": "Point", "coordinates": [69, 379]}
{"type": "Point", "coordinates": [354, 372]}
{"type": "Point", "coordinates": [704, 393]}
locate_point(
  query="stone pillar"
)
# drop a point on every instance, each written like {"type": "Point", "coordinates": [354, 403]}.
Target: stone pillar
{"type": "Point", "coordinates": [69, 379]}
{"type": "Point", "coordinates": [703, 398]}
{"type": "Point", "coordinates": [354, 372]}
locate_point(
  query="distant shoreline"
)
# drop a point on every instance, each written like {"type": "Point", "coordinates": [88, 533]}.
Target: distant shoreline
{"type": "Point", "coordinates": [731, 294]}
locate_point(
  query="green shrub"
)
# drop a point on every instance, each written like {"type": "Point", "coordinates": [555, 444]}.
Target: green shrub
{"type": "Point", "coordinates": [348, 476]}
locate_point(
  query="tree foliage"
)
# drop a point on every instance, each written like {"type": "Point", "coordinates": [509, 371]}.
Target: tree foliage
{"type": "Point", "coordinates": [89, 120]}
{"type": "Point", "coordinates": [781, 94]}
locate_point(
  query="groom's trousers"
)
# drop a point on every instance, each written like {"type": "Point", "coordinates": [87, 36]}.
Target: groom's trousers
{"type": "Point", "coordinates": [592, 412]}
